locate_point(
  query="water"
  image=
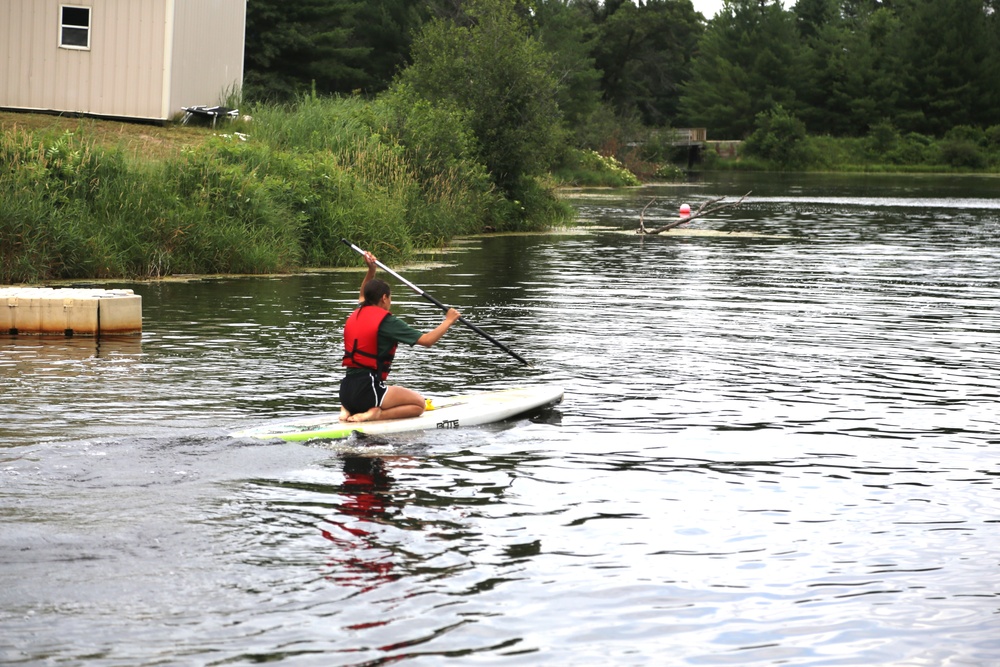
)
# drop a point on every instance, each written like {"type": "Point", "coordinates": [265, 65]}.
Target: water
{"type": "Point", "coordinates": [775, 448]}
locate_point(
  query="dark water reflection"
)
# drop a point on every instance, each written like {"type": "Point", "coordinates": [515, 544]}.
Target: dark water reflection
{"type": "Point", "coordinates": [773, 449]}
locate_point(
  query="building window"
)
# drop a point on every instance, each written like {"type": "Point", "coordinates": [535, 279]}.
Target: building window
{"type": "Point", "coordinates": [74, 27]}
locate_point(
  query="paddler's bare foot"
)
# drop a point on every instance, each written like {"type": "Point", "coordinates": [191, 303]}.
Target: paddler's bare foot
{"type": "Point", "coordinates": [345, 416]}
{"type": "Point", "coordinates": [370, 415]}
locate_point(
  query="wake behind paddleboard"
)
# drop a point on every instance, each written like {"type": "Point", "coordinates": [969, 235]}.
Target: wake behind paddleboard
{"type": "Point", "coordinates": [451, 412]}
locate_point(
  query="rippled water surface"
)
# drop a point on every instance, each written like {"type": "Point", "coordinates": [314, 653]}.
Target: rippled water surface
{"type": "Point", "coordinates": [778, 445]}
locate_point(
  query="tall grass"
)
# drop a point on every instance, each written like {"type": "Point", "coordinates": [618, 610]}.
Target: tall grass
{"type": "Point", "coordinates": [76, 210]}
{"type": "Point", "coordinates": [391, 175]}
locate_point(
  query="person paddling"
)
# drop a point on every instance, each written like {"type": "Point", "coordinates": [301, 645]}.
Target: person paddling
{"type": "Point", "coordinates": [371, 335]}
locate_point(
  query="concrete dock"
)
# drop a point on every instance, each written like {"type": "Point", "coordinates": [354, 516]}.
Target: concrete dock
{"type": "Point", "coordinates": [69, 311]}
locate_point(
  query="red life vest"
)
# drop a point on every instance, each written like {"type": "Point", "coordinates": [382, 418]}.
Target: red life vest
{"type": "Point", "coordinates": [361, 341]}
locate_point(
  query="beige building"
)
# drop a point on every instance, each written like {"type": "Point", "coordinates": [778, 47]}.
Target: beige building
{"type": "Point", "coordinates": [142, 59]}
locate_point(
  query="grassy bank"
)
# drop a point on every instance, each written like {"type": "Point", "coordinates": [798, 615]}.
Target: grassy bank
{"type": "Point", "coordinates": [136, 140]}
{"type": "Point", "coordinates": [84, 198]}
{"type": "Point", "coordinates": [98, 199]}
{"type": "Point", "coordinates": [779, 142]}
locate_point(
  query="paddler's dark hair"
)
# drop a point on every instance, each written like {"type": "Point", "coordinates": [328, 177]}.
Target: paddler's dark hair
{"type": "Point", "coordinates": [375, 289]}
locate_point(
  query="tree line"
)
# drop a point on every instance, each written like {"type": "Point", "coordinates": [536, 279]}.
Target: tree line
{"type": "Point", "coordinates": [841, 67]}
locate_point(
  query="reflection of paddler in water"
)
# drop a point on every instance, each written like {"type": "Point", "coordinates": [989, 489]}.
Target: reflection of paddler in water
{"type": "Point", "coordinates": [365, 491]}
{"type": "Point", "coordinates": [371, 335]}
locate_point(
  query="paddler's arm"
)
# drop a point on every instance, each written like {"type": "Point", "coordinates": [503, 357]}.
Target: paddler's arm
{"type": "Point", "coordinates": [370, 260]}
{"type": "Point", "coordinates": [434, 335]}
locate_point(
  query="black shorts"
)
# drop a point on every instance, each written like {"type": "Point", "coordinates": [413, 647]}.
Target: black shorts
{"type": "Point", "coordinates": [359, 392]}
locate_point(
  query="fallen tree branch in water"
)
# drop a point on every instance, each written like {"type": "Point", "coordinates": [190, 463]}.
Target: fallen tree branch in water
{"type": "Point", "coordinates": [702, 210]}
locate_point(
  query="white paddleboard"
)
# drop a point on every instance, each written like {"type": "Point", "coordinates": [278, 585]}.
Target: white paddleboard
{"type": "Point", "coordinates": [451, 412]}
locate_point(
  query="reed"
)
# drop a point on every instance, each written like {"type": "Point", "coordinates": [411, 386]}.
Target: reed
{"type": "Point", "coordinates": [311, 124]}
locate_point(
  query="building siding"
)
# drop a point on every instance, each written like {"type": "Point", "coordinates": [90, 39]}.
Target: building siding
{"type": "Point", "coordinates": [125, 73]}
{"type": "Point", "coordinates": [207, 51]}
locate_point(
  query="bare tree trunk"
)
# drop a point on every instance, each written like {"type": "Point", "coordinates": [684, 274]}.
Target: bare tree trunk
{"type": "Point", "coordinates": [704, 209]}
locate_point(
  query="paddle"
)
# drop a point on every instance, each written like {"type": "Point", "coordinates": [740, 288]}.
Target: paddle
{"type": "Point", "coordinates": [440, 305]}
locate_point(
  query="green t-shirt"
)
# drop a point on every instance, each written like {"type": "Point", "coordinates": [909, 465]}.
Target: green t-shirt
{"type": "Point", "coordinates": [392, 331]}
{"type": "Point", "coordinates": [395, 330]}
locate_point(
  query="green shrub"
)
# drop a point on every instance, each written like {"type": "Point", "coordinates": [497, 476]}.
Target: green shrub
{"type": "Point", "coordinates": [992, 134]}
{"type": "Point", "coordinates": [590, 168]}
{"type": "Point", "coordinates": [828, 151]}
{"type": "Point", "coordinates": [539, 197]}
{"type": "Point", "coordinates": [913, 149]}
{"type": "Point", "coordinates": [670, 172]}
{"type": "Point", "coordinates": [455, 189]}
{"type": "Point", "coordinates": [962, 154]}
{"type": "Point", "coordinates": [967, 134]}
{"type": "Point", "coordinates": [882, 138]}
{"type": "Point", "coordinates": [779, 137]}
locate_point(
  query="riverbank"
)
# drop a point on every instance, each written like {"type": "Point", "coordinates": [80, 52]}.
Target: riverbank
{"type": "Point", "coordinates": [95, 199]}
{"type": "Point", "coordinates": [780, 143]}
{"type": "Point", "coordinates": [87, 198]}
{"type": "Point", "coordinates": [137, 140]}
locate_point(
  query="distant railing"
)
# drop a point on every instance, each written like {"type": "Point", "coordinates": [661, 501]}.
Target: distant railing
{"type": "Point", "coordinates": [686, 136]}
{"type": "Point", "coordinates": [677, 136]}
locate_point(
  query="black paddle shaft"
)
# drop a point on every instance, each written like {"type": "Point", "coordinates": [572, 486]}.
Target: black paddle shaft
{"type": "Point", "coordinates": [440, 305]}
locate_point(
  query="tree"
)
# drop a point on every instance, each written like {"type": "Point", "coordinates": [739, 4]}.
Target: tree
{"type": "Point", "coordinates": [947, 75]}
{"type": "Point", "coordinates": [812, 16]}
{"type": "Point", "coordinates": [779, 137]}
{"type": "Point", "coordinates": [749, 61]}
{"type": "Point", "coordinates": [386, 28]}
{"type": "Point", "coordinates": [849, 78]}
{"type": "Point", "coordinates": [922, 65]}
{"type": "Point", "coordinates": [334, 46]}
{"type": "Point", "coordinates": [644, 52]}
{"type": "Point", "coordinates": [502, 77]}
{"type": "Point", "coordinates": [570, 37]}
